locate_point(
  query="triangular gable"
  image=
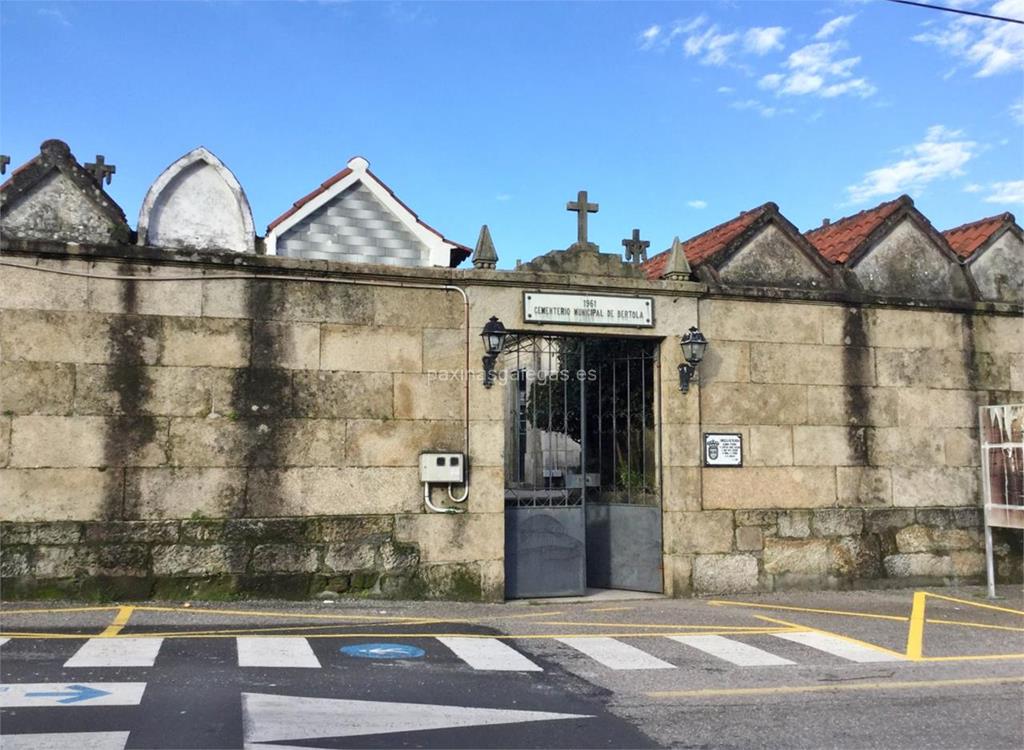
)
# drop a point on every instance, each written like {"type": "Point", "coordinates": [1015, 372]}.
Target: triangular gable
{"type": "Point", "coordinates": [993, 251]}
{"type": "Point", "coordinates": [893, 251]}
{"type": "Point", "coordinates": [970, 240]}
{"type": "Point", "coordinates": [53, 197]}
{"type": "Point", "coordinates": [197, 203]}
{"type": "Point", "coordinates": [355, 217]}
{"type": "Point", "coordinates": [760, 247]}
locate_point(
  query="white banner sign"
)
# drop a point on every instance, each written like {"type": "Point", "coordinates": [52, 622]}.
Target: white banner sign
{"type": "Point", "coordinates": [588, 309]}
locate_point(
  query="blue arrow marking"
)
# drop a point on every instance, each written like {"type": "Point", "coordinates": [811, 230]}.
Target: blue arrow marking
{"type": "Point", "coordinates": [383, 651]}
{"type": "Point", "coordinates": [78, 694]}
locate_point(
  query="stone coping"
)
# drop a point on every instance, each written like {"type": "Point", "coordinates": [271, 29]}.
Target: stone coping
{"type": "Point", "coordinates": [212, 262]}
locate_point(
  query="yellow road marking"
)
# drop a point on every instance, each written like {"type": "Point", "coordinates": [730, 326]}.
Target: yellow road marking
{"type": "Point", "coordinates": [123, 615]}
{"type": "Point", "coordinates": [834, 635]}
{"type": "Point", "coordinates": [259, 613]}
{"type": "Point", "coordinates": [845, 613]}
{"type": "Point", "coordinates": [976, 604]}
{"type": "Point", "coordinates": [526, 636]}
{"type": "Point", "coordinates": [612, 609]}
{"type": "Point", "coordinates": [791, 689]}
{"type": "Point", "coordinates": [915, 633]}
{"type": "Point", "coordinates": [968, 657]}
{"type": "Point", "coordinates": [59, 609]}
{"type": "Point", "coordinates": [974, 625]}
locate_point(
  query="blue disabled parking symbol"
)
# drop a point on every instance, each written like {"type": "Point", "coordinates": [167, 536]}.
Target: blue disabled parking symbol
{"type": "Point", "coordinates": [383, 651]}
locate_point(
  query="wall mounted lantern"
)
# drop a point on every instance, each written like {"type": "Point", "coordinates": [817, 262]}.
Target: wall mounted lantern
{"type": "Point", "coordinates": [693, 344]}
{"type": "Point", "coordinates": [494, 341]}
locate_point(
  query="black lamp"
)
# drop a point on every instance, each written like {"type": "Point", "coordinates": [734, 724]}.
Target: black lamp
{"type": "Point", "coordinates": [494, 341]}
{"type": "Point", "coordinates": [693, 345]}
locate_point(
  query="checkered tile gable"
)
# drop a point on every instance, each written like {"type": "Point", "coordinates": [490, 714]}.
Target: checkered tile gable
{"type": "Point", "coordinates": [354, 227]}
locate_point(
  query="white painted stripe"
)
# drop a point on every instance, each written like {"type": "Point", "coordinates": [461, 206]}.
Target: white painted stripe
{"type": "Point", "coordinates": [489, 653]}
{"type": "Point", "coordinates": [116, 652]}
{"type": "Point", "coordinates": [3, 641]}
{"type": "Point", "coordinates": [734, 652]}
{"type": "Point", "coordinates": [616, 654]}
{"type": "Point", "coordinates": [69, 694]}
{"type": "Point", "coordinates": [65, 741]}
{"type": "Point", "coordinates": [276, 651]}
{"type": "Point", "coordinates": [840, 647]}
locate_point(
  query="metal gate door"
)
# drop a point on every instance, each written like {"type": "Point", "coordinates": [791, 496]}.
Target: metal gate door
{"type": "Point", "coordinates": [581, 500]}
{"type": "Point", "coordinates": [623, 508]}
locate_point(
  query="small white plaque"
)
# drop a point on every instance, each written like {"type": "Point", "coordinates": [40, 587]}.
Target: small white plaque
{"type": "Point", "coordinates": [723, 449]}
{"type": "Point", "coordinates": [588, 309]}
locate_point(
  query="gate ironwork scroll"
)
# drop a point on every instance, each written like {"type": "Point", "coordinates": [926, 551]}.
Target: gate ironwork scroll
{"type": "Point", "coordinates": [1001, 433]}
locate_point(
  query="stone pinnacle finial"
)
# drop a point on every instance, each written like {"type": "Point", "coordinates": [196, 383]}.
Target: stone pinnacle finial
{"type": "Point", "coordinates": [678, 268]}
{"type": "Point", "coordinates": [484, 256]}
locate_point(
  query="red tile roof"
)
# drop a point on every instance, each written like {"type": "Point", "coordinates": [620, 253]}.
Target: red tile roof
{"type": "Point", "coordinates": [840, 239]}
{"type": "Point", "coordinates": [706, 245]}
{"type": "Point", "coordinates": [324, 186]}
{"type": "Point", "coordinates": [967, 238]}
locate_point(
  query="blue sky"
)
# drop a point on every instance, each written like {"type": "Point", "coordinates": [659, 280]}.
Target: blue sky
{"type": "Point", "coordinates": [675, 116]}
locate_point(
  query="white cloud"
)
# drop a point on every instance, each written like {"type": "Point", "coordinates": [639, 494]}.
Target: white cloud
{"type": "Point", "coordinates": [649, 36]}
{"type": "Point", "coordinates": [712, 47]}
{"type": "Point", "coordinates": [503, 197]}
{"type": "Point", "coordinates": [725, 89]}
{"type": "Point", "coordinates": [1017, 111]}
{"type": "Point", "coordinates": [941, 154]}
{"type": "Point", "coordinates": [991, 47]}
{"type": "Point", "coordinates": [56, 15]}
{"type": "Point", "coordinates": [819, 69]}
{"type": "Point", "coordinates": [1006, 192]}
{"type": "Point", "coordinates": [830, 28]}
{"type": "Point", "coordinates": [972, 187]}
{"type": "Point", "coordinates": [756, 106]}
{"type": "Point", "coordinates": [761, 41]}
{"type": "Point", "coordinates": [697, 204]}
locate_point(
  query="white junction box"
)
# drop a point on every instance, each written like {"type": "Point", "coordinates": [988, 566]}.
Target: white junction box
{"type": "Point", "coordinates": [443, 468]}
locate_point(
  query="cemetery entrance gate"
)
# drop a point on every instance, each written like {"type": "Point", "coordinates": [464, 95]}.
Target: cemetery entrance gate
{"type": "Point", "coordinates": [582, 499]}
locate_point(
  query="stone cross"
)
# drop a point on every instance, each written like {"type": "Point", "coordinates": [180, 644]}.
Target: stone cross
{"type": "Point", "coordinates": [582, 208]}
{"type": "Point", "coordinates": [101, 170]}
{"type": "Point", "coordinates": [4, 161]}
{"type": "Point", "coordinates": [636, 248]}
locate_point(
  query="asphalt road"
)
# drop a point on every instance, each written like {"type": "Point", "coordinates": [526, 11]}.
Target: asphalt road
{"type": "Point", "coordinates": [935, 669]}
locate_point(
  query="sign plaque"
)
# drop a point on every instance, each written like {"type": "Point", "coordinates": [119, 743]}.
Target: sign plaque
{"type": "Point", "coordinates": [588, 309]}
{"type": "Point", "coordinates": [723, 449]}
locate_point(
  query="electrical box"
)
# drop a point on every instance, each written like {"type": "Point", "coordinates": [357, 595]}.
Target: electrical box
{"type": "Point", "coordinates": [443, 468]}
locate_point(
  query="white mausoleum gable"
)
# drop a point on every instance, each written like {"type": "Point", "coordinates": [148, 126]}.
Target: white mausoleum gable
{"type": "Point", "coordinates": [197, 203]}
{"type": "Point", "coordinates": [354, 217]}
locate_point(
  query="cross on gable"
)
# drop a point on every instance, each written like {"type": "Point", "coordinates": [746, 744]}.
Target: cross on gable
{"type": "Point", "coordinates": [101, 170]}
{"type": "Point", "coordinates": [636, 248]}
{"type": "Point", "coordinates": [582, 208]}
{"type": "Point", "coordinates": [4, 161]}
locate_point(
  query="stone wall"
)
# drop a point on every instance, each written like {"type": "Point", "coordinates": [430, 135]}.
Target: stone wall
{"type": "Point", "coordinates": [232, 435]}
{"type": "Point", "coordinates": [861, 457]}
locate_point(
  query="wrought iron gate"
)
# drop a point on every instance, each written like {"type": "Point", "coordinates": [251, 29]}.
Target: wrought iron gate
{"type": "Point", "coordinates": [582, 506]}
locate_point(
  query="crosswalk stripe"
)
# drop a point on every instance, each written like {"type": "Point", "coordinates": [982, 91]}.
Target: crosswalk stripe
{"type": "Point", "coordinates": [840, 647]}
{"type": "Point", "coordinates": [489, 654]}
{"type": "Point", "coordinates": [276, 651]}
{"type": "Point", "coordinates": [116, 652]}
{"type": "Point", "coordinates": [615, 654]}
{"type": "Point", "coordinates": [66, 740]}
{"type": "Point", "coordinates": [734, 652]}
